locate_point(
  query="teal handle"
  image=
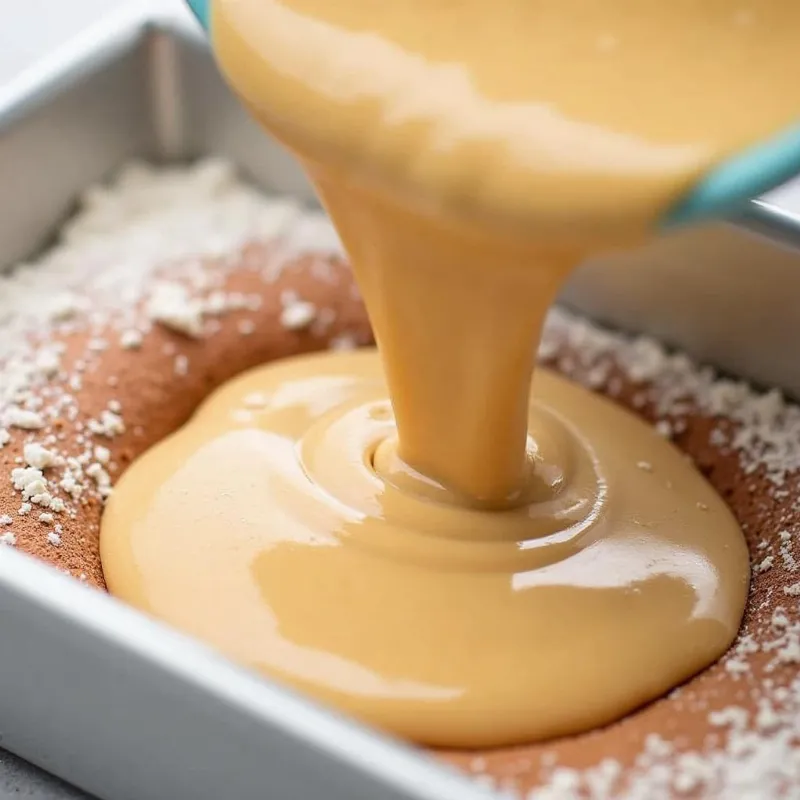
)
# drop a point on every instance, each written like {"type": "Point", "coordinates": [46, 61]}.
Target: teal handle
{"type": "Point", "coordinates": [200, 10]}
{"type": "Point", "coordinates": [728, 187]}
{"type": "Point", "coordinates": [725, 190]}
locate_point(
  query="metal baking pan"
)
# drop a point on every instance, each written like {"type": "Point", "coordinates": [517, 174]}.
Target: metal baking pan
{"type": "Point", "coordinates": [117, 704]}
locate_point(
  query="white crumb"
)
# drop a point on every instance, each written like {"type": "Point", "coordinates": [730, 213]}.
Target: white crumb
{"type": "Point", "coordinates": [40, 457]}
{"type": "Point", "coordinates": [298, 315]}
{"type": "Point", "coordinates": [16, 417]}
{"type": "Point", "coordinates": [131, 339]}
{"type": "Point", "coordinates": [172, 305]}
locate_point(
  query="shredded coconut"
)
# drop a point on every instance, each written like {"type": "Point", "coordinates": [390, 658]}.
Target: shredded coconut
{"type": "Point", "coordinates": [48, 362]}
{"type": "Point", "coordinates": [40, 457]}
{"type": "Point", "coordinates": [172, 306]}
{"type": "Point", "coordinates": [16, 417]}
{"type": "Point", "coordinates": [298, 315]}
{"type": "Point", "coordinates": [181, 365]}
{"type": "Point", "coordinates": [131, 340]}
{"type": "Point", "coordinates": [28, 480]}
{"type": "Point", "coordinates": [109, 425]}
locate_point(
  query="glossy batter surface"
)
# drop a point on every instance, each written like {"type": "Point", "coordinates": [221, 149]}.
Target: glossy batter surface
{"type": "Point", "coordinates": [279, 526]}
{"type": "Point", "coordinates": [492, 571]}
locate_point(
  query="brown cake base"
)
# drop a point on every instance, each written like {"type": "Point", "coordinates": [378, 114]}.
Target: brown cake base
{"type": "Point", "coordinates": [106, 386]}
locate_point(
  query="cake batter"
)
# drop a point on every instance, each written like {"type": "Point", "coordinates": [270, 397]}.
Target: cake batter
{"type": "Point", "coordinates": [464, 566]}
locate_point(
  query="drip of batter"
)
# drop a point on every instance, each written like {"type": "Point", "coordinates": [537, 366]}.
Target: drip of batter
{"type": "Point", "coordinates": [463, 566]}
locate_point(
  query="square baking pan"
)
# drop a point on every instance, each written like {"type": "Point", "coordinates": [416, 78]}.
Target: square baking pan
{"type": "Point", "coordinates": [117, 704]}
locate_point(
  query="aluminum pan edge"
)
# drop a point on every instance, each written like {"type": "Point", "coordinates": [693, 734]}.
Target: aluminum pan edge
{"type": "Point", "coordinates": [81, 54]}
{"type": "Point", "coordinates": [768, 218]}
{"type": "Point", "coordinates": [125, 708]}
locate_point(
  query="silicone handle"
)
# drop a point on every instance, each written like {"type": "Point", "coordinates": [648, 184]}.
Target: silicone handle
{"type": "Point", "coordinates": [200, 10]}
{"type": "Point", "coordinates": [729, 187]}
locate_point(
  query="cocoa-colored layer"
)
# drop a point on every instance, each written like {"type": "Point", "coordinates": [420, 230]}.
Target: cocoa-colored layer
{"type": "Point", "coordinates": [155, 398]}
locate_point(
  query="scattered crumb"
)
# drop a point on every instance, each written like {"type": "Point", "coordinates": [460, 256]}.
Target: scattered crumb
{"type": "Point", "coordinates": [298, 315]}
{"type": "Point", "coordinates": [15, 417]}
{"type": "Point", "coordinates": [131, 340]}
